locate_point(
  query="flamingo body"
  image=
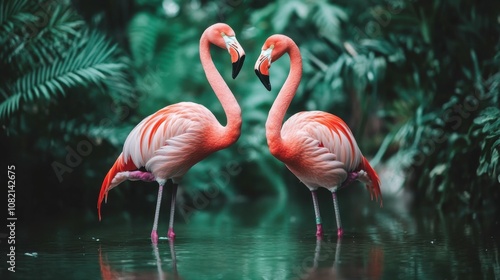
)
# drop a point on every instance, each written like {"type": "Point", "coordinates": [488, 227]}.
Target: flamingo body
{"type": "Point", "coordinates": [169, 142]}
{"type": "Point", "coordinates": [166, 144]}
{"type": "Point", "coordinates": [317, 147]}
{"type": "Point", "coordinates": [324, 149]}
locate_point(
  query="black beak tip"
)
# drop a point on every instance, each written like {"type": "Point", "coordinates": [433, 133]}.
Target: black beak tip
{"type": "Point", "coordinates": [237, 66]}
{"type": "Point", "coordinates": [264, 79]}
{"type": "Point", "coordinates": [268, 86]}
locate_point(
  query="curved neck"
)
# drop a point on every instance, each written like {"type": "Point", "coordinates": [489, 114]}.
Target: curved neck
{"type": "Point", "coordinates": [282, 102]}
{"type": "Point", "coordinates": [228, 101]}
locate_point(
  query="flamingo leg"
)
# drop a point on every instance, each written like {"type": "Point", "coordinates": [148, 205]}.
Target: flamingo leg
{"type": "Point", "coordinates": [154, 232]}
{"type": "Point", "coordinates": [340, 231]}
{"type": "Point", "coordinates": [171, 234]}
{"type": "Point", "coordinates": [319, 226]}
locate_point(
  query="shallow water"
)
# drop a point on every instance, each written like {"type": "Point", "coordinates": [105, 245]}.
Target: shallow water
{"type": "Point", "coordinates": [265, 240]}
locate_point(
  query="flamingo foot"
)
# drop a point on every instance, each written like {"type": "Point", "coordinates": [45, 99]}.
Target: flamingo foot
{"type": "Point", "coordinates": [171, 234]}
{"type": "Point", "coordinates": [319, 230]}
{"type": "Point", "coordinates": [340, 232]}
{"type": "Point", "coordinates": [154, 237]}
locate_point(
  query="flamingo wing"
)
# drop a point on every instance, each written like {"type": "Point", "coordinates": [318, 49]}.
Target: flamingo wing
{"type": "Point", "coordinates": [325, 147]}
{"type": "Point", "coordinates": [171, 132]}
{"type": "Point", "coordinates": [332, 133]}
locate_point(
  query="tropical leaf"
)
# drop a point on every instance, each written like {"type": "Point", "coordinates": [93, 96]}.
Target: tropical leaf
{"type": "Point", "coordinates": [14, 14]}
{"type": "Point", "coordinates": [90, 61]}
{"type": "Point", "coordinates": [328, 19]}
{"type": "Point", "coordinates": [486, 129]}
{"type": "Point", "coordinates": [47, 42]}
{"type": "Point", "coordinates": [32, 34]}
{"type": "Point", "coordinates": [152, 43]}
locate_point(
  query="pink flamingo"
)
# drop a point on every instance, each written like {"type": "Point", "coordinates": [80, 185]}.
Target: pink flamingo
{"type": "Point", "coordinates": [316, 146]}
{"type": "Point", "coordinates": [169, 142]}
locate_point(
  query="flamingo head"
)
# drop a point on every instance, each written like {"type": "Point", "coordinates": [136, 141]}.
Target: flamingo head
{"type": "Point", "coordinates": [223, 36]}
{"type": "Point", "coordinates": [274, 47]}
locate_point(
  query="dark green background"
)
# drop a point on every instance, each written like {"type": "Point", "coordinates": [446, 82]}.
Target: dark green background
{"type": "Point", "coordinates": [418, 83]}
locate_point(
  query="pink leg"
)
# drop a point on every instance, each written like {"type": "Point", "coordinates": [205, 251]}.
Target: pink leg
{"type": "Point", "coordinates": [340, 231]}
{"type": "Point", "coordinates": [171, 234]}
{"type": "Point", "coordinates": [319, 227]}
{"type": "Point", "coordinates": [154, 232]}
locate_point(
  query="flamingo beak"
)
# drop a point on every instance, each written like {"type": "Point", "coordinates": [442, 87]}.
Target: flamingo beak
{"type": "Point", "coordinates": [237, 65]}
{"type": "Point", "coordinates": [264, 79]}
{"type": "Point", "coordinates": [237, 53]}
{"type": "Point", "coordinates": [262, 67]}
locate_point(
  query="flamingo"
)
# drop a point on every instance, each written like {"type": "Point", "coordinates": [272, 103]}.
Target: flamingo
{"type": "Point", "coordinates": [317, 147]}
{"type": "Point", "coordinates": [166, 144]}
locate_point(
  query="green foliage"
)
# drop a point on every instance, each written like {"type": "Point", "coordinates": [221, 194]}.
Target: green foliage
{"type": "Point", "coordinates": [63, 87]}
{"type": "Point", "coordinates": [87, 62]}
{"type": "Point", "coordinates": [418, 83]}
{"type": "Point", "coordinates": [60, 54]}
{"type": "Point", "coordinates": [486, 130]}
{"type": "Point", "coordinates": [425, 85]}
{"type": "Point", "coordinates": [441, 97]}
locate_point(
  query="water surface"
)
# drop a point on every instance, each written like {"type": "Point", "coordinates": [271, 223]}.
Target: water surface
{"type": "Point", "coordinates": [265, 240]}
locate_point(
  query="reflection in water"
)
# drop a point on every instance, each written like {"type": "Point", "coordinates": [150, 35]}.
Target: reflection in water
{"type": "Point", "coordinates": [337, 270]}
{"type": "Point", "coordinates": [174, 258]}
{"type": "Point", "coordinates": [316, 272]}
{"type": "Point", "coordinates": [268, 241]}
{"type": "Point", "coordinates": [109, 272]}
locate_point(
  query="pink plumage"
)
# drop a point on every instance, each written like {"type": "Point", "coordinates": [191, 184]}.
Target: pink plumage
{"type": "Point", "coordinates": [317, 147]}
{"type": "Point", "coordinates": [166, 144]}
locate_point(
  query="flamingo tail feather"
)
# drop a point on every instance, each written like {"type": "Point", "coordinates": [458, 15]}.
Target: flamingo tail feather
{"type": "Point", "coordinates": [111, 180]}
{"type": "Point", "coordinates": [374, 187]}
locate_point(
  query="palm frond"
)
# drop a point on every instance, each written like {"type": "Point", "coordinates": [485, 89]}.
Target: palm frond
{"type": "Point", "coordinates": [89, 62]}
{"type": "Point", "coordinates": [35, 33]}
{"type": "Point", "coordinates": [13, 14]}
{"type": "Point", "coordinates": [9, 105]}
{"type": "Point", "coordinates": [49, 42]}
